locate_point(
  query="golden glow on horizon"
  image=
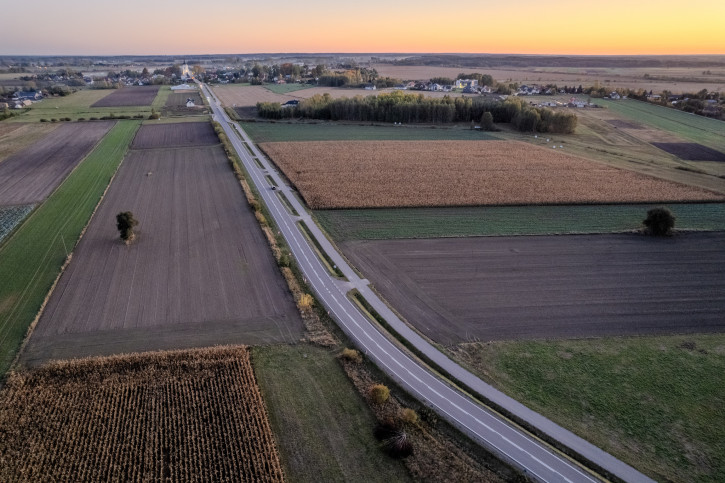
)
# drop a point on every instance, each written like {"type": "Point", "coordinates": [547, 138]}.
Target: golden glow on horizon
{"type": "Point", "coordinates": [559, 27]}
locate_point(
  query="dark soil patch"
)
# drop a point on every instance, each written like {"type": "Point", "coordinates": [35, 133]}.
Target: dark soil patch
{"type": "Point", "coordinates": [129, 96]}
{"type": "Point", "coordinates": [498, 288]}
{"type": "Point", "coordinates": [691, 151]}
{"type": "Point", "coordinates": [176, 103]}
{"type": "Point", "coordinates": [618, 123]}
{"type": "Point", "coordinates": [199, 273]}
{"type": "Point", "coordinates": [175, 135]}
{"type": "Point", "coordinates": [32, 174]}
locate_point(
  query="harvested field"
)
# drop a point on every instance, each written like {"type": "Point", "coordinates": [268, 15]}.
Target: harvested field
{"type": "Point", "coordinates": [199, 273]}
{"type": "Point", "coordinates": [17, 136]}
{"type": "Point", "coordinates": [32, 174]}
{"type": "Point", "coordinates": [618, 123]}
{"type": "Point", "coordinates": [11, 216]}
{"type": "Point", "coordinates": [175, 135]}
{"type": "Point", "coordinates": [179, 416]}
{"type": "Point", "coordinates": [176, 103]}
{"type": "Point", "coordinates": [692, 151]}
{"type": "Point", "coordinates": [373, 174]}
{"type": "Point", "coordinates": [129, 96]}
{"type": "Point", "coordinates": [498, 288]}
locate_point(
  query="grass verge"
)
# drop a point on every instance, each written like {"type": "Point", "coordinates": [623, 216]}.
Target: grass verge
{"type": "Point", "coordinates": [329, 264]}
{"type": "Point", "coordinates": [161, 97]}
{"type": "Point", "coordinates": [387, 223]}
{"type": "Point", "coordinates": [31, 259]}
{"type": "Point", "coordinates": [654, 402]}
{"type": "Point", "coordinates": [323, 428]}
{"type": "Point", "coordinates": [287, 204]}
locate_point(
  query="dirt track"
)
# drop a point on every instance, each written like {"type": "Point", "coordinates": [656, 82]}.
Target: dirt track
{"type": "Point", "coordinates": [129, 96]}
{"type": "Point", "coordinates": [497, 288]}
{"type": "Point", "coordinates": [200, 272]}
{"type": "Point", "coordinates": [32, 174]}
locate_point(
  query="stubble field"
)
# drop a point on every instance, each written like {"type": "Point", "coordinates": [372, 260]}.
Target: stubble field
{"type": "Point", "coordinates": [374, 174]}
{"type": "Point", "coordinates": [199, 273]}
{"type": "Point", "coordinates": [501, 288]}
{"type": "Point", "coordinates": [30, 175]}
{"type": "Point", "coordinates": [129, 96]}
{"type": "Point", "coordinates": [173, 416]}
{"type": "Point", "coordinates": [17, 136]}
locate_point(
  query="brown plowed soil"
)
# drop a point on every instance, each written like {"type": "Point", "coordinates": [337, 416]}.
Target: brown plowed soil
{"type": "Point", "coordinates": [376, 174]}
{"type": "Point", "coordinates": [692, 151]}
{"type": "Point", "coordinates": [175, 135]}
{"type": "Point", "coordinates": [199, 273]}
{"type": "Point", "coordinates": [176, 103]}
{"type": "Point", "coordinates": [498, 288]}
{"type": "Point", "coordinates": [30, 175]}
{"type": "Point", "coordinates": [129, 96]}
{"type": "Point", "coordinates": [173, 416]}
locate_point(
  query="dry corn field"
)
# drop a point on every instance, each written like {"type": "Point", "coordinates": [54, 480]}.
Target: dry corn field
{"type": "Point", "coordinates": [372, 174]}
{"type": "Point", "coordinates": [174, 416]}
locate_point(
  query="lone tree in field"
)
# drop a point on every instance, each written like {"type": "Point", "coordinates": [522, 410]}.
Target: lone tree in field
{"type": "Point", "coordinates": [659, 221]}
{"type": "Point", "coordinates": [125, 223]}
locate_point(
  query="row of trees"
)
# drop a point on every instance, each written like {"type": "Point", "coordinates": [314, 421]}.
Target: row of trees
{"type": "Point", "coordinates": [403, 107]}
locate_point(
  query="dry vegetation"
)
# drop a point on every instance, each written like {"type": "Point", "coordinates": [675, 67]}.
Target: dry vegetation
{"type": "Point", "coordinates": [367, 174]}
{"type": "Point", "coordinates": [14, 137]}
{"type": "Point", "coordinates": [179, 416]}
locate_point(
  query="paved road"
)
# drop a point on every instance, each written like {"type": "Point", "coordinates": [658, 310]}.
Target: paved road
{"type": "Point", "coordinates": [519, 448]}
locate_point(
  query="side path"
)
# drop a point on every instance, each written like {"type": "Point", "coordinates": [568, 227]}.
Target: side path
{"type": "Point", "coordinates": [513, 445]}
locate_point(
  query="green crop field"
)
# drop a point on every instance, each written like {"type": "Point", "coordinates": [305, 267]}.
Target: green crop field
{"type": "Point", "coordinates": [285, 88]}
{"type": "Point", "coordinates": [508, 220]}
{"type": "Point", "coordinates": [698, 129]}
{"type": "Point", "coordinates": [161, 98]}
{"type": "Point", "coordinates": [263, 132]}
{"type": "Point", "coordinates": [31, 259]}
{"type": "Point", "coordinates": [654, 402]}
{"type": "Point", "coordinates": [78, 105]}
{"type": "Point", "coordinates": [322, 426]}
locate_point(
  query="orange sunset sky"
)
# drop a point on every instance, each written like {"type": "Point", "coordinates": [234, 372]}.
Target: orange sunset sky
{"type": "Point", "coordinates": [234, 26]}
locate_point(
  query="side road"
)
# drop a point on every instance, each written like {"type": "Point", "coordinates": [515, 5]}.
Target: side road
{"type": "Point", "coordinates": [522, 450]}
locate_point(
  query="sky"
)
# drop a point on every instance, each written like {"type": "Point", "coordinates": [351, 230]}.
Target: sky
{"type": "Point", "coordinates": [175, 27]}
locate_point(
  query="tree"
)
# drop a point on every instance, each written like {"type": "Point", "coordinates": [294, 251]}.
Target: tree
{"type": "Point", "coordinates": [659, 221]}
{"type": "Point", "coordinates": [125, 223]}
{"type": "Point", "coordinates": [487, 122]}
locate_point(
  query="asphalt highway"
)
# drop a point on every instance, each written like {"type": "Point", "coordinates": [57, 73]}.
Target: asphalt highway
{"type": "Point", "coordinates": [525, 452]}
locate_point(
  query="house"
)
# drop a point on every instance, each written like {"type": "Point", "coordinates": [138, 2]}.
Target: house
{"type": "Point", "coordinates": [655, 97]}
{"type": "Point", "coordinates": [189, 102]}
{"type": "Point", "coordinates": [435, 87]}
{"type": "Point", "coordinates": [4, 105]}
{"type": "Point", "coordinates": [27, 96]}
{"type": "Point", "coordinates": [370, 87]}
{"type": "Point", "coordinates": [463, 83]}
{"type": "Point", "coordinates": [614, 95]}
{"type": "Point", "coordinates": [183, 87]}
{"type": "Point", "coordinates": [22, 104]}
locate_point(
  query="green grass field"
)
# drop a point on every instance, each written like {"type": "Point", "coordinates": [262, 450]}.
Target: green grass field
{"type": "Point", "coordinates": [286, 88]}
{"type": "Point", "coordinates": [698, 129]}
{"type": "Point", "coordinates": [508, 220]}
{"type": "Point", "coordinates": [655, 402]}
{"type": "Point", "coordinates": [31, 259]}
{"type": "Point", "coordinates": [263, 132]}
{"type": "Point", "coordinates": [161, 97]}
{"type": "Point", "coordinates": [78, 105]}
{"type": "Point", "coordinates": [323, 428]}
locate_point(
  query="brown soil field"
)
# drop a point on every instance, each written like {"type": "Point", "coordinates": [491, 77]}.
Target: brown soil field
{"type": "Point", "coordinates": [171, 416]}
{"type": "Point", "coordinates": [692, 151]}
{"type": "Point", "coordinates": [199, 273]}
{"type": "Point", "coordinates": [32, 174]}
{"type": "Point", "coordinates": [544, 287]}
{"type": "Point", "coordinates": [129, 96]}
{"type": "Point", "coordinates": [624, 78]}
{"type": "Point", "coordinates": [174, 135]}
{"type": "Point", "coordinates": [371, 174]}
{"type": "Point", "coordinates": [176, 103]}
{"type": "Point", "coordinates": [17, 136]}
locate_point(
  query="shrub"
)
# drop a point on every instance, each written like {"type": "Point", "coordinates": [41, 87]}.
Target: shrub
{"type": "Point", "coordinates": [351, 355]}
{"type": "Point", "coordinates": [53, 120]}
{"type": "Point", "coordinates": [67, 119]}
{"type": "Point", "coordinates": [92, 118]}
{"type": "Point", "coordinates": [44, 120]}
{"type": "Point", "coordinates": [305, 301]}
{"type": "Point", "coordinates": [379, 393]}
{"type": "Point", "coordinates": [125, 223]}
{"type": "Point", "coordinates": [409, 416]}
{"type": "Point", "coordinates": [396, 441]}
{"type": "Point", "coordinates": [260, 218]}
{"type": "Point", "coordinates": [659, 221]}
{"type": "Point", "coordinates": [81, 118]}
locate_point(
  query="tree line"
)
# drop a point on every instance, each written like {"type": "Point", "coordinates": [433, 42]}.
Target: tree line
{"type": "Point", "coordinates": [409, 108]}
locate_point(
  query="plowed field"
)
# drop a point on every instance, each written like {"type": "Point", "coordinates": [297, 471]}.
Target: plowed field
{"type": "Point", "coordinates": [199, 273]}
{"type": "Point", "coordinates": [32, 174]}
{"type": "Point", "coordinates": [176, 103]}
{"type": "Point", "coordinates": [547, 287]}
{"type": "Point", "coordinates": [174, 135]}
{"type": "Point", "coordinates": [180, 416]}
{"type": "Point", "coordinates": [129, 96]}
{"type": "Point", "coordinates": [372, 174]}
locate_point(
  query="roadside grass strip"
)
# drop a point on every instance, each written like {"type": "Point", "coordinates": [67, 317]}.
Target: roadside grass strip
{"type": "Point", "coordinates": [287, 204]}
{"type": "Point", "coordinates": [31, 259]}
{"type": "Point", "coordinates": [10, 218]}
{"type": "Point", "coordinates": [326, 260]}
